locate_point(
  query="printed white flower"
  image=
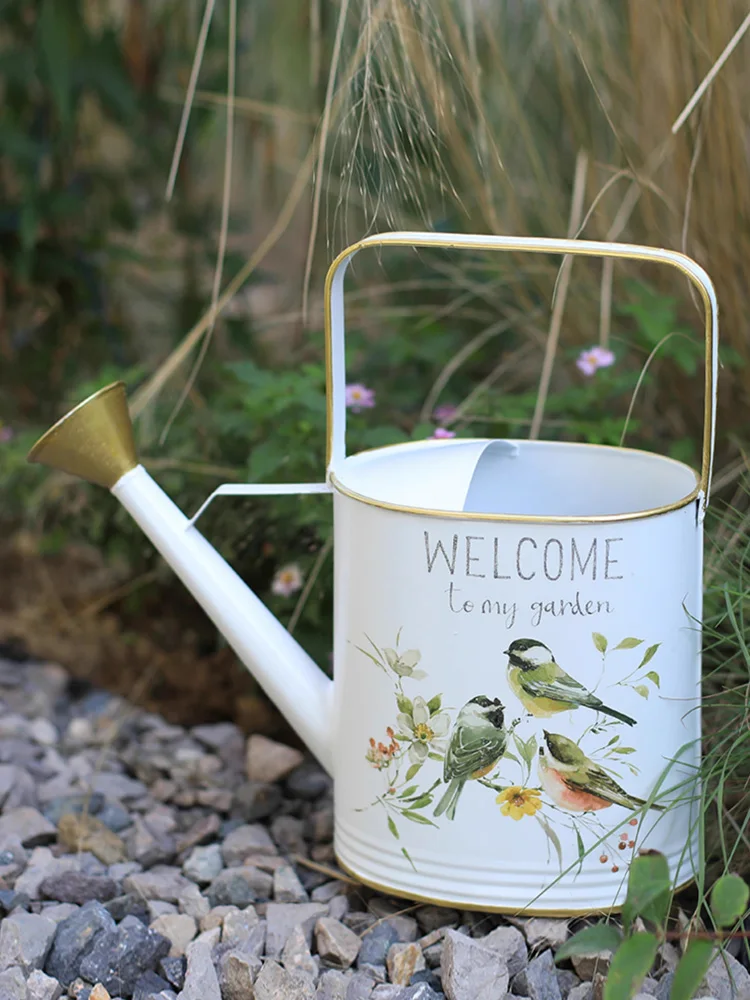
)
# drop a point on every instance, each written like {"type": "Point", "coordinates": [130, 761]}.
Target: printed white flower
{"type": "Point", "coordinates": [287, 580]}
{"type": "Point", "coordinates": [423, 730]}
{"type": "Point", "coordinates": [404, 664]}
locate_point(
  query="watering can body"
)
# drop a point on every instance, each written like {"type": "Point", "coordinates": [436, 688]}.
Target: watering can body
{"type": "Point", "coordinates": [515, 711]}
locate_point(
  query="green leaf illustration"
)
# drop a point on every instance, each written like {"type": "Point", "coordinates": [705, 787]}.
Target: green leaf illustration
{"type": "Point", "coordinates": [404, 704]}
{"type": "Point", "coordinates": [729, 898]}
{"type": "Point", "coordinates": [408, 858]}
{"type": "Point", "coordinates": [412, 771]}
{"type": "Point", "coordinates": [408, 791]}
{"type": "Point", "coordinates": [599, 641]}
{"type": "Point", "coordinates": [589, 941]}
{"type": "Point", "coordinates": [654, 678]}
{"type": "Point", "coordinates": [691, 969]}
{"type": "Point", "coordinates": [629, 643]}
{"type": "Point", "coordinates": [436, 756]}
{"type": "Point", "coordinates": [369, 656]}
{"type": "Point", "coordinates": [642, 690]}
{"type": "Point", "coordinates": [421, 802]}
{"type": "Point", "coordinates": [624, 750]}
{"type": "Point", "coordinates": [581, 848]}
{"type": "Point", "coordinates": [551, 837]}
{"type": "Point", "coordinates": [648, 655]}
{"type": "Point", "coordinates": [417, 818]}
{"type": "Point", "coordinates": [629, 966]}
{"type": "Point", "coordinates": [392, 827]}
{"type": "Point", "coordinates": [649, 892]}
{"type": "Point", "coordinates": [434, 704]}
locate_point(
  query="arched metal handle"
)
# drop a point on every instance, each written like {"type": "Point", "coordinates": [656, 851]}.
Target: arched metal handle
{"type": "Point", "coordinates": [334, 316]}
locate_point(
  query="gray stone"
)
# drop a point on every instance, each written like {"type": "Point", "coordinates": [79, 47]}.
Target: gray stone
{"type": "Point", "coordinates": [192, 902]}
{"type": "Point", "coordinates": [75, 938]}
{"type": "Point", "coordinates": [28, 824]}
{"type": "Point", "coordinates": [117, 786]}
{"type": "Point", "coordinates": [296, 955]}
{"type": "Point", "coordinates": [327, 891]}
{"type": "Point", "coordinates": [544, 932]}
{"type": "Point", "coordinates": [203, 864]}
{"type": "Point", "coordinates": [338, 907]}
{"type": "Point", "coordinates": [255, 800]}
{"type": "Point", "coordinates": [566, 980]}
{"type": "Point", "coordinates": [200, 832]}
{"type": "Point", "coordinates": [289, 833]}
{"type": "Point", "coordinates": [128, 904]}
{"type": "Point", "coordinates": [430, 918]}
{"type": "Point", "coordinates": [378, 973]}
{"type": "Point", "coordinates": [150, 987]}
{"type": "Point", "coordinates": [275, 983]}
{"type": "Point", "coordinates": [360, 987]}
{"type": "Point", "coordinates": [726, 979]}
{"type": "Point", "coordinates": [77, 803]}
{"type": "Point", "coordinates": [282, 918]}
{"type": "Point", "coordinates": [332, 985]}
{"type": "Point", "coordinates": [13, 984]}
{"type": "Point", "coordinates": [287, 888]}
{"type": "Point", "coordinates": [43, 864]}
{"type": "Point", "coordinates": [162, 882]}
{"type": "Point", "coordinates": [308, 781]}
{"type": "Point", "coordinates": [665, 987]}
{"type": "Point", "coordinates": [120, 957]}
{"type": "Point", "coordinates": [252, 944]}
{"type": "Point", "coordinates": [238, 887]}
{"type": "Point", "coordinates": [238, 925]}
{"type": "Point", "coordinates": [336, 944]}
{"type": "Point", "coordinates": [587, 966]}
{"type": "Point", "coordinates": [201, 980]}
{"type": "Point", "coordinates": [114, 816]}
{"type": "Point", "coordinates": [375, 943]}
{"type": "Point", "coordinates": [25, 940]}
{"type": "Point", "coordinates": [75, 887]}
{"type": "Point", "coordinates": [403, 960]}
{"type": "Point", "coordinates": [649, 986]}
{"type": "Point", "coordinates": [270, 761]}
{"type": "Point", "coordinates": [538, 979]}
{"type": "Point", "coordinates": [406, 928]}
{"type": "Point", "coordinates": [59, 911]}
{"type": "Point", "coordinates": [419, 991]}
{"type": "Point", "coordinates": [583, 991]}
{"type": "Point", "coordinates": [42, 987]}
{"type": "Point", "coordinates": [237, 972]}
{"type": "Point", "coordinates": [178, 928]}
{"type": "Point", "coordinates": [509, 943]}
{"type": "Point", "coordinates": [245, 840]}
{"type": "Point", "coordinates": [147, 847]}
{"type": "Point", "coordinates": [173, 970]}
{"type": "Point", "coordinates": [157, 908]}
{"type": "Point", "coordinates": [470, 971]}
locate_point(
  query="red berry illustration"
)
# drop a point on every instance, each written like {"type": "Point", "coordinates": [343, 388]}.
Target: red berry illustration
{"type": "Point", "coordinates": [615, 868]}
{"type": "Point", "coordinates": [604, 859]}
{"type": "Point", "coordinates": [634, 822]}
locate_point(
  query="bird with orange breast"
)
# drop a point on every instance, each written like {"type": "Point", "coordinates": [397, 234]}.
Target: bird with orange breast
{"type": "Point", "coordinates": [575, 783]}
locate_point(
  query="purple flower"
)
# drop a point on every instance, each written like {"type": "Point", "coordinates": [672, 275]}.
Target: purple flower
{"type": "Point", "coordinates": [443, 432]}
{"type": "Point", "coordinates": [359, 397]}
{"type": "Point", "coordinates": [6, 433]}
{"type": "Point", "coordinates": [444, 412]}
{"type": "Point", "coordinates": [596, 357]}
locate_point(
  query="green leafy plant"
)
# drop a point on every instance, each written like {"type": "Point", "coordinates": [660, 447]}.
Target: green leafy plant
{"type": "Point", "coordinates": [645, 915]}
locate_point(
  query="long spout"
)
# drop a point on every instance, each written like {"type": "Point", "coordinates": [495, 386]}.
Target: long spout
{"type": "Point", "coordinates": [95, 441]}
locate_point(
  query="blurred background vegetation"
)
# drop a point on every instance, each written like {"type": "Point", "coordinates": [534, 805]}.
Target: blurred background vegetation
{"type": "Point", "coordinates": [159, 158]}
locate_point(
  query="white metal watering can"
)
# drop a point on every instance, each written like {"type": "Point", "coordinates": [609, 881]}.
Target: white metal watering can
{"type": "Point", "coordinates": [515, 711]}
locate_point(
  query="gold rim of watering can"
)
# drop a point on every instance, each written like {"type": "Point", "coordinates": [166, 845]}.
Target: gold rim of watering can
{"type": "Point", "coordinates": [585, 248]}
{"type": "Point", "coordinates": [514, 911]}
{"type": "Point", "coordinates": [467, 515]}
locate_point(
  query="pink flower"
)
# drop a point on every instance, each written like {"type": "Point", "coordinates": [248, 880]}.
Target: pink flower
{"type": "Point", "coordinates": [443, 432]}
{"type": "Point", "coordinates": [359, 397]}
{"type": "Point", "coordinates": [287, 580]}
{"type": "Point", "coordinates": [596, 357]}
{"type": "Point", "coordinates": [444, 412]}
{"type": "Point", "coordinates": [6, 433]}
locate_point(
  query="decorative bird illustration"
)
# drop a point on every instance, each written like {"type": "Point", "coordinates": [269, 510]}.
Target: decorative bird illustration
{"type": "Point", "coordinates": [575, 783]}
{"type": "Point", "coordinates": [543, 687]}
{"type": "Point", "coordinates": [477, 742]}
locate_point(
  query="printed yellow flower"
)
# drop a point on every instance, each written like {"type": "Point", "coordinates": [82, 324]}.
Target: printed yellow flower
{"type": "Point", "coordinates": [518, 802]}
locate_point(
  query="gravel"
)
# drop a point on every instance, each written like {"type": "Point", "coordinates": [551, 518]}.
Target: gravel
{"type": "Point", "coordinates": [140, 860]}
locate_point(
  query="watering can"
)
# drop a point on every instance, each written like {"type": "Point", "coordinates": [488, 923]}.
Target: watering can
{"type": "Point", "coordinates": [515, 712]}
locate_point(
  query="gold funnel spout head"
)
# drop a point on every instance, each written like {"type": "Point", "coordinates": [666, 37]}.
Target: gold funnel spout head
{"type": "Point", "coordinates": [94, 441]}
